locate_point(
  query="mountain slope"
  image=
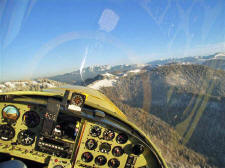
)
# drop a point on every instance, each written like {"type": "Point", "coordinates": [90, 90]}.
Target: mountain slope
{"type": "Point", "coordinates": [162, 135]}
{"type": "Point", "coordinates": [91, 72]}
{"type": "Point", "coordinates": [190, 98]}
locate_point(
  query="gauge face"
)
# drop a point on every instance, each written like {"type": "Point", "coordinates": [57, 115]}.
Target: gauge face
{"type": "Point", "coordinates": [91, 144]}
{"type": "Point", "coordinates": [100, 160]}
{"type": "Point", "coordinates": [108, 135]}
{"type": "Point", "coordinates": [104, 148]}
{"type": "Point", "coordinates": [10, 113]}
{"type": "Point", "coordinates": [87, 157]}
{"type": "Point", "coordinates": [26, 137]}
{"type": "Point", "coordinates": [95, 131]}
{"type": "Point", "coordinates": [6, 132]}
{"type": "Point", "coordinates": [117, 151]}
{"type": "Point", "coordinates": [113, 163]}
{"type": "Point", "coordinates": [31, 119]}
{"type": "Point", "coordinates": [77, 100]}
{"type": "Point", "coordinates": [121, 138]}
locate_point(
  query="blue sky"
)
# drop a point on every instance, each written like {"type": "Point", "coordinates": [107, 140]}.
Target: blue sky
{"type": "Point", "coordinates": [47, 37]}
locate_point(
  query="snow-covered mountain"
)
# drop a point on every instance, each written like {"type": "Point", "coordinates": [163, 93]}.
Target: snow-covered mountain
{"type": "Point", "coordinates": [108, 80]}
{"type": "Point", "coordinates": [28, 85]}
{"type": "Point", "coordinates": [93, 71]}
{"type": "Point", "coordinates": [216, 60]}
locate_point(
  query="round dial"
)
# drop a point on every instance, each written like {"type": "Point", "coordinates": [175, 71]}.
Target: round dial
{"type": "Point", "coordinates": [11, 113]}
{"type": "Point", "coordinates": [77, 100]}
{"type": "Point", "coordinates": [91, 144]}
{"type": "Point", "coordinates": [31, 119]}
{"type": "Point", "coordinates": [104, 148]}
{"type": "Point", "coordinates": [117, 151]}
{"type": "Point", "coordinates": [95, 131]}
{"type": "Point", "coordinates": [113, 163]}
{"type": "Point", "coordinates": [121, 138]}
{"type": "Point", "coordinates": [87, 157]}
{"type": "Point", "coordinates": [100, 160]}
{"type": "Point", "coordinates": [26, 137]}
{"type": "Point", "coordinates": [108, 135]}
{"type": "Point", "coordinates": [6, 132]}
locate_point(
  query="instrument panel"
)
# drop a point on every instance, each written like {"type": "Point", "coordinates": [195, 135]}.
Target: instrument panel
{"type": "Point", "coordinates": [53, 137]}
{"type": "Point", "coordinates": [21, 135]}
{"type": "Point", "coordinates": [104, 147]}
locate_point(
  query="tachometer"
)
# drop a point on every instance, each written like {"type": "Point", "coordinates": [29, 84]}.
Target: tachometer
{"type": "Point", "coordinates": [121, 138]}
{"type": "Point", "coordinates": [91, 144]}
{"type": "Point", "coordinates": [95, 131]}
{"type": "Point", "coordinates": [10, 113]}
{"type": "Point", "coordinates": [100, 160]}
{"type": "Point", "coordinates": [7, 132]}
{"type": "Point", "coordinates": [113, 163]}
{"type": "Point", "coordinates": [26, 137]}
{"type": "Point", "coordinates": [108, 135]}
{"type": "Point", "coordinates": [77, 99]}
{"type": "Point", "coordinates": [104, 147]}
{"type": "Point", "coordinates": [117, 151]}
{"type": "Point", "coordinates": [31, 119]}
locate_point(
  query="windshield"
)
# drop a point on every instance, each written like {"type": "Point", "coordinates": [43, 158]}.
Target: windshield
{"type": "Point", "coordinates": [162, 62]}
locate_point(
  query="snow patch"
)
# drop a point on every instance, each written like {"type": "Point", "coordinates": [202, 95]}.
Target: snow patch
{"type": "Point", "coordinates": [49, 85]}
{"type": "Point", "coordinates": [102, 83]}
{"type": "Point", "coordinates": [220, 56]}
{"type": "Point", "coordinates": [10, 84]}
{"type": "Point", "coordinates": [108, 74]}
{"type": "Point", "coordinates": [34, 82]}
{"type": "Point", "coordinates": [141, 65]}
{"type": "Point", "coordinates": [2, 86]}
{"type": "Point", "coordinates": [125, 75]}
{"type": "Point", "coordinates": [135, 71]}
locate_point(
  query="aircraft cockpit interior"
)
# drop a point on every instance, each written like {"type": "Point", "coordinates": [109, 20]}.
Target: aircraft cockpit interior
{"type": "Point", "coordinates": [69, 129]}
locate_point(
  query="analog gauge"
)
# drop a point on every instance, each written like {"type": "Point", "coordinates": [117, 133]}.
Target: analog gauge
{"type": "Point", "coordinates": [31, 119]}
{"type": "Point", "coordinates": [95, 131]}
{"type": "Point", "coordinates": [10, 113]}
{"type": "Point", "coordinates": [117, 151]}
{"type": "Point", "coordinates": [108, 135]}
{"type": "Point", "coordinates": [100, 160]}
{"type": "Point", "coordinates": [104, 148]}
{"type": "Point", "coordinates": [121, 138]}
{"type": "Point", "coordinates": [91, 144]}
{"type": "Point", "coordinates": [87, 157]}
{"type": "Point", "coordinates": [113, 163]}
{"type": "Point", "coordinates": [6, 132]}
{"type": "Point", "coordinates": [77, 100]}
{"type": "Point", "coordinates": [26, 137]}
